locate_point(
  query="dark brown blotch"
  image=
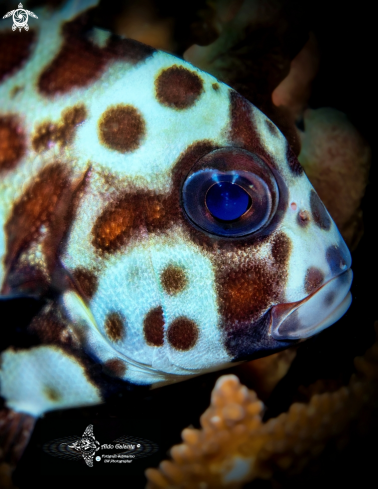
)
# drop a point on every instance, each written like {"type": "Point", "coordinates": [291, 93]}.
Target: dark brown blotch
{"type": "Point", "coordinates": [336, 259]}
{"type": "Point", "coordinates": [182, 334]}
{"type": "Point", "coordinates": [215, 86]}
{"type": "Point", "coordinates": [114, 367]}
{"type": "Point", "coordinates": [14, 51]}
{"type": "Point", "coordinates": [243, 130]}
{"type": "Point", "coordinates": [173, 279]}
{"type": "Point", "coordinates": [12, 142]}
{"type": "Point", "coordinates": [121, 128]}
{"type": "Point", "coordinates": [115, 326]}
{"type": "Point", "coordinates": [294, 165]}
{"type": "Point", "coordinates": [178, 87]}
{"type": "Point", "coordinates": [62, 132]}
{"type": "Point", "coordinates": [80, 62]}
{"type": "Point", "coordinates": [271, 127]}
{"type": "Point", "coordinates": [303, 218]}
{"type": "Point", "coordinates": [246, 293]}
{"type": "Point", "coordinates": [281, 249]}
{"type": "Point", "coordinates": [319, 212]}
{"type": "Point", "coordinates": [52, 394]}
{"type": "Point", "coordinates": [314, 278]}
{"type": "Point", "coordinates": [153, 327]}
{"type": "Point", "coordinates": [41, 213]}
{"type": "Point", "coordinates": [86, 281]}
{"type": "Point", "coordinates": [123, 218]}
{"type": "Point", "coordinates": [329, 298]}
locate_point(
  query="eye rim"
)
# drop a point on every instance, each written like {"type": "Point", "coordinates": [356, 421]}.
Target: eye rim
{"type": "Point", "coordinates": [245, 165]}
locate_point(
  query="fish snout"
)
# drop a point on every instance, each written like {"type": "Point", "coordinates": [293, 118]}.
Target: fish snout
{"type": "Point", "coordinates": [318, 310]}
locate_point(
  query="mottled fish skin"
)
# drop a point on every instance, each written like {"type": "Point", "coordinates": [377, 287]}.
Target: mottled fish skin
{"type": "Point", "coordinates": [98, 135]}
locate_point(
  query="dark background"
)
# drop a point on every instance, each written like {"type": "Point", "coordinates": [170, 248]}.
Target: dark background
{"type": "Point", "coordinates": [345, 32]}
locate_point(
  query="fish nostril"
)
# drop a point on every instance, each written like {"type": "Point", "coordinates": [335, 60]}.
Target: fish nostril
{"type": "Point", "coordinates": [303, 218]}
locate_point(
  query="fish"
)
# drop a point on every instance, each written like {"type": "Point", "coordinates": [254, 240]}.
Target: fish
{"type": "Point", "coordinates": [162, 217]}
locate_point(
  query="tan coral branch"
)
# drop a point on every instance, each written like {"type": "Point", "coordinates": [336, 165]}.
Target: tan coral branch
{"type": "Point", "coordinates": [235, 446]}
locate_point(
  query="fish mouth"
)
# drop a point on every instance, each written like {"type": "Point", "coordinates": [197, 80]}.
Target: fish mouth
{"type": "Point", "coordinates": [315, 312]}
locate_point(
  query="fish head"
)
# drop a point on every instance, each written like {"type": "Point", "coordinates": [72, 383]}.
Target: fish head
{"type": "Point", "coordinates": [206, 242]}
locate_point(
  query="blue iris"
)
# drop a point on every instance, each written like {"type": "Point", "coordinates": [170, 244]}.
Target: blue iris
{"type": "Point", "coordinates": [227, 201]}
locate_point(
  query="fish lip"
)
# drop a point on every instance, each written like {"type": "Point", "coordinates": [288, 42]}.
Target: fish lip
{"type": "Point", "coordinates": [317, 311]}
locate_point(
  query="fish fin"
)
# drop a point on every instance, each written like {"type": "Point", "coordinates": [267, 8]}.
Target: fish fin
{"type": "Point", "coordinates": [15, 431]}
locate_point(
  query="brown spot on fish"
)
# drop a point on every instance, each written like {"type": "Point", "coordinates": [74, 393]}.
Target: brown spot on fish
{"type": "Point", "coordinates": [271, 127]}
{"type": "Point", "coordinates": [178, 87]}
{"type": "Point", "coordinates": [243, 130]}
{"type": "Point", "coordinates": [314, 278]}
{"type": "Point", "coordinates": [319, 212]}
{"type": "Point", "coordinates": [114, 326]}
{"type": "Point", "coordinates": [329, 298]}
{"type": "Point", "coordinates": [114, 367]}
{"type": "Point", "coordinates": [294, 165]}
{"type": "Point", "coordinates": [215, 86]}
{"type": "Point", "coordinates": [173, 279]}
{"type": "Point", "coordinates": [62, 132]}
{"type": "Point", "coordinates": [303, 218]}
{"type": "Point", "coordinates": [52, 394]}
{"type": "Point", "coordinates": [153, 327]}
{"type": "Point", "coordinates": [246, 293]}
{"type": "Point", "coordinates": [121, 128]}
{"type": "Point", "coordinates": [123, 219]}
{"type": "Point", "coordinates": [12, 142]}
{"type": "Point", "coordinates": [182, 334]}
{"type": "Point", "coordinates": [281, 248]}
{"type": "Point", "coordinates": [336, 260]}
{"type": "Point", "coordinates": [86, 281]}
{"type": "Point", "coordinates": [40, 216]}
{"type": "Point", "coordinates": [14, 51]}
{"type": "Point", "coordinates": [16, 90]}
{"type": "Point", "coordinates": [80, 62]}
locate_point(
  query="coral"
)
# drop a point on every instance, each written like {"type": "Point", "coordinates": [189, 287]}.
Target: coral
{"type": "Point", "coordinates": [263, 374]}
{"type": "Point", "coordinates": [255, 45]}
{"type": "Point", "coordinates": [336, 159]}
{"type": "Point", "coordinates": [235, 446]}
{"type": "Point", "coordinates": [294, 91]}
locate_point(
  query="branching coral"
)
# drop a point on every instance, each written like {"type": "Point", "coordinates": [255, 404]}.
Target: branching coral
{"type": "Point", "coordinates": [235, 446]}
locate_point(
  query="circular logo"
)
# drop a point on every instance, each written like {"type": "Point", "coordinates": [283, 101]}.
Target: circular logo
{"type": "Point", "coordinates": [98, 458]}
{"type": "Point", "coordinates": [20, 18]}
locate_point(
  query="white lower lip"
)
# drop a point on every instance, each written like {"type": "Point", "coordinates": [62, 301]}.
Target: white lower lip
{"type": "Point", "coordinates": [313, 314]}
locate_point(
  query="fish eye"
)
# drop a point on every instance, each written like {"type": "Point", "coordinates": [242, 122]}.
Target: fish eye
{"type": "Point", "coordinates": [230, 192]}
{"type": "Point", "coordinates": [227, 201]}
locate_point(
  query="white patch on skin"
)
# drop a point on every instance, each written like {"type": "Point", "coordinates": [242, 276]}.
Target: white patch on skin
{"type": "Point", "coordinates": [309, 243]}
{"type": "Point", "coordinates": [44, 378]}
{"type": "Point", "coordinates": [168, 131]}
{"type": "Point", "coordinates": [135, 276]}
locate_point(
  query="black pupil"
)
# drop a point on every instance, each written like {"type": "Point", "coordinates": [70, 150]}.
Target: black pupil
{"type": "Point", "coordinates": [227, 201]}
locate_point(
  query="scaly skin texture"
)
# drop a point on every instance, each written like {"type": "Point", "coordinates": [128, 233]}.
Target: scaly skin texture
{"type": "Point", "coordinates": [98, 136]}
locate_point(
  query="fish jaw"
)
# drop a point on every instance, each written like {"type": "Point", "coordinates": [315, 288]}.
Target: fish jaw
{"type": "Point", "coordinates": [317, 311]}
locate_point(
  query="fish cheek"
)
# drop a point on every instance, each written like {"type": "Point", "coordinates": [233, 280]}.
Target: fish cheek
{"type": "Point", "coordinates": [247, 292]}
